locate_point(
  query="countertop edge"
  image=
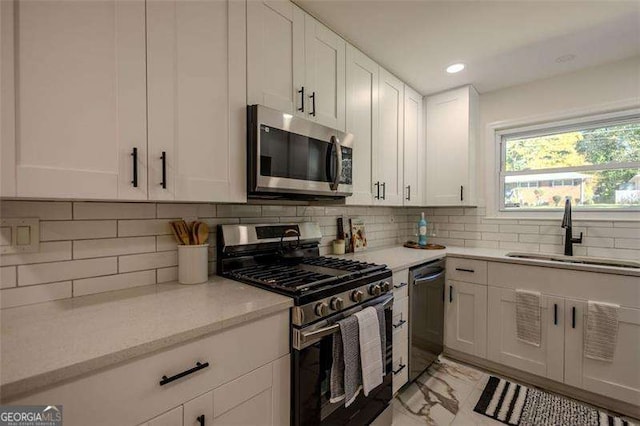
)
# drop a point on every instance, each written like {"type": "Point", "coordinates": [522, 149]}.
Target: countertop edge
{"type": "Point", "coordinates": [20, 388]}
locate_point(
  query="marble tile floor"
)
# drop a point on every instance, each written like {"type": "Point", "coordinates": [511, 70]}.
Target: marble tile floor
{"type": "Point", "coordinates": [445, 394]}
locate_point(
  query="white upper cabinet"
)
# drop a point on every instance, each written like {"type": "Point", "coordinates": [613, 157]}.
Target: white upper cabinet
{"type": "Point", "coordinates": [362, 120]}
{"type": "Point", "coordinates": [414, 149]}
{"type": "Point", "coordinates": [80, 99]}
{"type": "Point", "coordinates": [275, 56]}
{"type": "Point", "coordinates": [451, 127]}
{"type": "Point", "coordinates": [388, 156]}
{"type": "Point", "coordinates": [325, 74]}
{"type": "Point", "coordinates": [196, 100]}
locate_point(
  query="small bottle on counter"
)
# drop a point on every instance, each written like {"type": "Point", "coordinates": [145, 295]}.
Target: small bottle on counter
{"type": "Point", "coordinates": [422, 230]}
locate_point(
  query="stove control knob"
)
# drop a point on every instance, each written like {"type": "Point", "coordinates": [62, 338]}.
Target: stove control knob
{"type": "Point", "coordinates": [385, 286]}
{"type": "Point", "coordinates": [356, 296]}
{"type": "Point", "coordinates": [321, 309]}
{"type": "Point", "coordinates": [337, 304]}
{"type": "Point", "coordinates": [375, 290]}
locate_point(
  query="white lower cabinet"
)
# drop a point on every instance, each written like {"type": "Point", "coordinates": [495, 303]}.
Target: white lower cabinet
{"type": "Point", "coordinates": [504, 347]}
{"type": "Point", "coordinates": [245, 383]}
{"type": "Point", "coordinates": [400, 327]}
{"type": "Point", "coordinates": [466, 317]}
{"type": "Point", "coordinates": [619, 379]}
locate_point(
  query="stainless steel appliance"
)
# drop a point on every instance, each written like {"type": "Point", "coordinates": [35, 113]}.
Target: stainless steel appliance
{"type": "Point", "coordinates": [285, 258]}
{"type": "Point", "coordinates": [426, 327]}
{"type": "Point", "coordinates": [291, 157]}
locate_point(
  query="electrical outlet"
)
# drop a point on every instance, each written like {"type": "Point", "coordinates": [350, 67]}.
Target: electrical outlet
{"type": "Point", "coordinates": [20, 235]}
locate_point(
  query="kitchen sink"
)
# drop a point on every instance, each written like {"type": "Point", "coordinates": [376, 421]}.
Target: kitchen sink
{"type": "Point", "coordinates": [578, 259]}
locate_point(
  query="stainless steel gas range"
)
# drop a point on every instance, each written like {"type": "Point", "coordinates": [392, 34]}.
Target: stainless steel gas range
{"type": "Point", "coordinates": [285, 258]}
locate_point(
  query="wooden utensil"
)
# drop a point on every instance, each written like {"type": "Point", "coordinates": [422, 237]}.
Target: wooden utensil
{"type": "Point", "coordinates": [182, 230]}
{"type": "Point", "coordinates": [174, 230]}
{"type": "Point", "coordinates": [194, 232]}
{"type": "Point", "coordinates": [203, 232]}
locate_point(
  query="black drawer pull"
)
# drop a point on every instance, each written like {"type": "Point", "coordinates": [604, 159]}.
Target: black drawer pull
{"type": "Point", "coordinates": [301, 91]}
{"type": "Point", "coordinates": [402, 366]}
{"type": "Point", "coordinates": [313, 104]}
{"type": "Point", "coordinates": [450, 294]}
{"type": "Point", "coordinates": [200, 419]}
{"type": "Point", "coordinates": [199, 366]}
{"type": "Point", "coordinates": [401, 285]}
{"type": "Point", "coordinates": [408, 192]}
{"type": "Point", "coordinates": [377, 197]}
{"type": "Point", "coordinates": [400, 323]}
{"type": "Point", "coordinates": [555, 314]}
{"type": "Point", "coordinates": [461, 193]}
{"type": "Point", "coordinates": [134, 154]}
{"type": "Point", "coordinates": [163, 157]}
{"type": "Point", "coordinates": [465, 270]}
{"type": "Point", "coordinates": [384, 190]}
{"type": "Point", "coordinates": [573, 317]}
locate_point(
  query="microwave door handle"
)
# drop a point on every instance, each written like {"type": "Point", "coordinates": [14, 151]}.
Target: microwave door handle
{"type": "Point", "coordinates": [336, 181]}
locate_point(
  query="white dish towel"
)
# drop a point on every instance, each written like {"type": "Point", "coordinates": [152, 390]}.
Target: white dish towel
{"type": "Point", "coordinates": [370, 353]}
{"type": "Point", "coordinates": [528, 317]}
{"type": "Point", "coordinates": [601, 333]}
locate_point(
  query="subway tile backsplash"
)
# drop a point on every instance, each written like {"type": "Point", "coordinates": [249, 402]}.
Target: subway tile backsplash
{"type": "Point", "coordinates": [92, 247]}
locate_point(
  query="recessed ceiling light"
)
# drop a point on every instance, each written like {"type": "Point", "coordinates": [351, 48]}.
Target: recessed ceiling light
{"type": "Point", "coordinates": [454, 68]}
{"type": "Point", "coordinates": [565, 58]}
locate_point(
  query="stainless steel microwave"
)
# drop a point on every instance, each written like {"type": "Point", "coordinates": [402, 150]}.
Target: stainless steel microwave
{"type": "Point", "coordinates": [291, 157]}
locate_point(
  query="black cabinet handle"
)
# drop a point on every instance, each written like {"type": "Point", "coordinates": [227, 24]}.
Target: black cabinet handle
{"type": "Point", "coordinates": [377, 190]}
{"type": "Point", "coordinates": [465, 270]}
{"type": "Point", "coordinates": [461, 193]}
{"type": "Point", "coordinates": [199, 366]}
{"type": "Point", "coordinates": [134, 154]}
{"type": "Point", "coordinates": [384, 190]}
{"type": "Point", "coordinates": [573, 317]}
{"type": "Point", "coordinates": [313, 104]}
{"type": "Point", "coordinates": [200, 419]}
{"type": "Point", "coordinates": [400, 368]}
{"type": "Point", "coordinates": [408, 192]}
{"type": "Point", "coordinates": [450, 294]}
{"type": "Point", "coordinates": [399, 324]}
{"type": "Point", "coordinates": [301, 91]}
{"type": "Point", "coordinates": [555, 314]}
{"type": "Point", "coordinates": [401, 285]}
{"type": "Point", "coordinates": [163, 157]}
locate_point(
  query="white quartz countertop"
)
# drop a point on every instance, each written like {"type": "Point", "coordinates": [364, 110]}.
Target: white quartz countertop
{"type": "Point", "coordinates": [50, 342]}
{"type": "Point", "coordinates": [398, 258]}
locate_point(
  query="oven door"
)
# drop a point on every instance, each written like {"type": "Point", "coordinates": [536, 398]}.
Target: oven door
{"type": "Point", "coordinates": [294, 155]}
{"type": "Point", "coordinates": [311, 371]}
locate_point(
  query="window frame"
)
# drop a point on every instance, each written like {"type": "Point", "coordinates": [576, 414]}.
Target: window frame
{"type": "Point", "coordinates": [559, 126]}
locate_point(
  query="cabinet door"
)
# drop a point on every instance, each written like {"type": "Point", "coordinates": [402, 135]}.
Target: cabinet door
{"type": "Point", "coordinates": [7, 101]}
{"type": "Point", "coordinates": [325, 74]}
{"type": "Point", "coordinates": [414, 149]}
{"type": "Point", "coordinates": [466, 318]}
{"type": "Point", "coordinates": [546, 360]}
{"type": "Point", "coordinates": [275, 56]}
{"type": "Point", "coordinates": [450, 137]}
{"type": "Point", "coordinates": [196, 100]}
{"type": "Point", "coordinates": [170, 418]}
{"type": "Point", "coordinates": [362, 120]}
{"type": "Point", "coordinates": [619, 379]}
{"type": "Point", "coordinates": [80, 98]}
{"type": "Point", "coordinates": [388, 151]}
{"type": "Point", "coordinates": [198, 411]}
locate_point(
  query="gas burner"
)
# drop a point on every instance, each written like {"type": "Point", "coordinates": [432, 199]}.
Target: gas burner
{"type": "Point", "coordinates": [342, 264]}
{"type": "Point", "coordinates": [289, 278]}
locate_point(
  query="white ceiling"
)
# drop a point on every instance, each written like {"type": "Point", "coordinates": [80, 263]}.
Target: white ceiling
{"type": "Point", "coordinates": [503, 43]}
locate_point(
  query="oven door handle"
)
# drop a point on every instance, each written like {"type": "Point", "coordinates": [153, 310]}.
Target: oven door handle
{"type": "Point", "coordinates": [336, 180]}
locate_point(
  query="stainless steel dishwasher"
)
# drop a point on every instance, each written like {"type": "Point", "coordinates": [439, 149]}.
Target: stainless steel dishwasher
{"type": "Point", "coordinates": [426, 309]}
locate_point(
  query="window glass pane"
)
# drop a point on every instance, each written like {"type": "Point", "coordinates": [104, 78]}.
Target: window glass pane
{"type": "Point", "coordinates": [616, 188]}
{"type": "Point", "coordinates": [601, 145]}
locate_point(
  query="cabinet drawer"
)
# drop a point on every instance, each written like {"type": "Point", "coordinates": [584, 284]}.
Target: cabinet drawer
{"type": "Point", "coordinates": [400, 362]}
{"type": "Point", "coordinates": [400, 315]}
{"type": "Point", "coordinates": [131, 393]}
{"type": "Point", "coordinates": [401, 284]}
{"type": "Point", "coordinates": [467, 270]}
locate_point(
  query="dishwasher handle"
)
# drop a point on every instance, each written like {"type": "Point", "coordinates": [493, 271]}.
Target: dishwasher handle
{"type": "Point", "coordinates": [428, 278]}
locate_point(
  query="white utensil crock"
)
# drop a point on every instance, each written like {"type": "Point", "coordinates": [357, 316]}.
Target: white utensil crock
{"type": "Point", "coordinates": [192, 264]}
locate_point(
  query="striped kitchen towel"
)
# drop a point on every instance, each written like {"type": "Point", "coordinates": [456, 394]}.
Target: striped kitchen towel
{"type": "Point", "coordinates": [528, 317]}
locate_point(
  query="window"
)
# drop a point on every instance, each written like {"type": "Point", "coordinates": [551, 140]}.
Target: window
{"type": "Point", "coordinates": [594, 163]}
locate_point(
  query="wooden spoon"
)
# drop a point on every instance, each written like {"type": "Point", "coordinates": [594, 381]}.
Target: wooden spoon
{"type": "Point", "coordinates": [203, 232]}
{"type": "Point", "coordinates": [194, 232]}
{"type": "Point", "coordinates": [182, 230]}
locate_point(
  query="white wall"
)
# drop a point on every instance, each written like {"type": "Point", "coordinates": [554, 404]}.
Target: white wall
{"type": "Point", "coordinates": [602, 88]}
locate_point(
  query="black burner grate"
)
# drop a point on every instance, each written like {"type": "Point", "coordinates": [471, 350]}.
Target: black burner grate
{"type": "Point", "coordinates": [282, 276]}
{"type": "Point", "coordinates": [343, 264]}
